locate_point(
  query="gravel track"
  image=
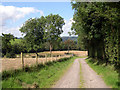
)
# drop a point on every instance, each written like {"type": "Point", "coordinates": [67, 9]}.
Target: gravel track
{"type": "Point", "coordinates": [71, 79]}
{"type": "Point", "coordinates": [91, 78]}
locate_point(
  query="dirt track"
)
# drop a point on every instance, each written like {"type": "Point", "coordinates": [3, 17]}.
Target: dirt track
{"type": "Point", "coordinates": [71, 79]}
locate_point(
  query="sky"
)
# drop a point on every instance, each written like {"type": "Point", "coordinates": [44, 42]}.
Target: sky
{"type": "Point", "coordinates": [14, 14]}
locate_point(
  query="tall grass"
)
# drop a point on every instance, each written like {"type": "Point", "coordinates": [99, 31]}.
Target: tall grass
{"type": "Point", "coordinates": [41, 76]}
{"type": "Point", "coordinates": [108, 73]}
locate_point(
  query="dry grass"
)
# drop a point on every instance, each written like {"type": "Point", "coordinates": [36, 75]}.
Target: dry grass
{"type": "Point", "coordinates": [79, 53]}
{"type": "Point", "coordinates": [15, 63]}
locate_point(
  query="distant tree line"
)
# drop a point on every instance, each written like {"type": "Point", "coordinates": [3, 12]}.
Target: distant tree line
{"type": "Point", "coordinates": [15, 46]}
{"type": "Point", "coordinates": [98, 29]}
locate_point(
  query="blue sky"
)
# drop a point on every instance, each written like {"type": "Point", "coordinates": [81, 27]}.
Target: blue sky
{"type": "Point", "coordinates": [14, 16]}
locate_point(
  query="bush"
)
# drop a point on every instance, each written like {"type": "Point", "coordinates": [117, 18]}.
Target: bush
{"type": "Point", "coordinates": [10, 55]}
{"type": "Point", "coordinates": [68, 53]}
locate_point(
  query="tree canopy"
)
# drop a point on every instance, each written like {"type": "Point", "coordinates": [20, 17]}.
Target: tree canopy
{"type": "Point", "coordinates": [34, 32]}
{"type": "Point", "coordinates": [97, 26]}
{"type": "Point", "coordinates": [53, 29]}
{"type": "Point", "coordinates": [6, 45]}
{"type": "Point", "coordinates": [43, 29]}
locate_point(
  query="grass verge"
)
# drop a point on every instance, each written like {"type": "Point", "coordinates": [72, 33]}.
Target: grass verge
{"type": "Point", "coordinates": [108, 73]}
{"type": "Point", "coordinates": [81, 77]}
{"type": "Point", "coordinates": [41, 76]}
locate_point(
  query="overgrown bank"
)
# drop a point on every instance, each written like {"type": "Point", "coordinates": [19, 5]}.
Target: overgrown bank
{"type": "Point", "coordinates": [108, 73]}
{"type": "Point", "coordinates": [41, 76]}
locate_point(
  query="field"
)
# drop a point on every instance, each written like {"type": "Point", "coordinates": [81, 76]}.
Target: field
{"type": "Point", "coordinates": [29, 59]}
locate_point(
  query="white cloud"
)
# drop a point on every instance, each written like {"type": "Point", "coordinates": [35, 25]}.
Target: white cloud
{"type": "Point", "coordinates": [15, 13]}
{"type": "Point", "coordinates": [67, 27]}
{"type": "Point", "coordinates": [12, 14]}
{"type": "Point", "coordinates": [15, 31]}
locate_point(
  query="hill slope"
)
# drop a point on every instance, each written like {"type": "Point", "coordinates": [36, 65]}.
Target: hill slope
{"type": "Point", "coordinates": [64, 38]}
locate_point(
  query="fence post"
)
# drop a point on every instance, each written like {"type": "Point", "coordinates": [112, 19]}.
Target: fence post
{"type": "Point", "coordinates": [43, 62]}
{"type": "Point", "coordinates": [51, 57]}
{"type": "Point", "coordinates": [59, 56]}
{"type": "Point", "coordinates": [22, 59]}
{"type": "Point", "coordinates": [46, 58]}
{"type": "Point", "coordinates": [36, 59]}
{"type": "Point", "coordinates": [56, 58]}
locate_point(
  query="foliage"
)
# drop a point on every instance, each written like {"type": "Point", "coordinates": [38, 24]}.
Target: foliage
{"type": "Point", "coordinates": [53, 29]}
{"type": "Point", "coordinates": [6, 45]}
{"type": "Point", "coordinates": [42, 31]}
{"type": "Point", "coordinates": [18, 46]}
{"type": "Point", "coordinates": [69, 44]}
{"type": "Point", "coordinates": [97, 26]}
{"type": "Point", "coordinates": [34, 32]}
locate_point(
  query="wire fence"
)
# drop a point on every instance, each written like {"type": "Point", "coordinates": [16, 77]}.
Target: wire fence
{"type": "Point", "coordinates": [21, 62]}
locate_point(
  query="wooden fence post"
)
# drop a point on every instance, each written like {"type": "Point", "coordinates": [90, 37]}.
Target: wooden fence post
{"type": "Point", "coordinates": [43, 62]}
{"type": "Point", "coordinates": [36, 59]}
{"type": "Point", "coordinates": [59, 56]}
{"type": "Point", "coordinates": [22, 59]}
{"type": "Point", "coordinates": [46, 58]}
{"type": "Point", "coordinates": [56, 58]}
{"type": "Point", "coordinates": [51, 57]}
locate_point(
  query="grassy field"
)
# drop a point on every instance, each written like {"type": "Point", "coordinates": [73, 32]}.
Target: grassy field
{"type": "Point", "coordinates": [54, 53]}
{"type": "Point", "coordinates": [42, 76]}
{"type": "Point", "coordinates": [108, 73]}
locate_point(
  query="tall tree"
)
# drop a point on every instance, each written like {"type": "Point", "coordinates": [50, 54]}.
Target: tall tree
{"type": "Point", "coordinates": [96, 24]}
{"type": "Point", "coordinates": [53, 29]}
{"type": "Point", "coordinates": [34, 33]}
{"type": "Point", "coordinates": [69, 44]}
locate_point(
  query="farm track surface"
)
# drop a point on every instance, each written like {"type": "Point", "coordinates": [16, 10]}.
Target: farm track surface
{"type": "Point", "coordinates": [71, 79]}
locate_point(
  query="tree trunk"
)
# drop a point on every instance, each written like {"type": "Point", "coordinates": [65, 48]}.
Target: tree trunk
{"type": "Point", "coordinates": [93, 49]}
{"type": "Point", "coordinates": [68, 49]}
{"type": "Point", "coordinates": [50, 49]}
{"type": "Point", "coordinates": [88, 52]}
{"type": "Point", "coordinates": [104, 54]}
{"type": "Point", "coordinates": [88, 48]}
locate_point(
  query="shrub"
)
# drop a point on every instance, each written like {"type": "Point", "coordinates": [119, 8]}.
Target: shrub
{"type": "Point", "coordinates": [10, 55]}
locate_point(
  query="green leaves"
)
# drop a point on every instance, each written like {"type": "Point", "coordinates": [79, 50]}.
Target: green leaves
{"type": "Point", "coordinates": [6, 45]}
{"type": "Point", "coordinates": [97, 24]}
{"type": "Point", "coordinates": [39, 30]}
{"type": "Point", "coordinates": [53, 28]}
{"type": "Point", "coordinates": [34, 32]}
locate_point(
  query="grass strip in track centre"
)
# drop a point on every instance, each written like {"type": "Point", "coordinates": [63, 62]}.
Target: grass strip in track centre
{"type": "Point", "coordinates": [81, 77]}
{"type": "Point", "coordinates": [108, 73]}
{"type": "Point", "coordinates": [41, 76]}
